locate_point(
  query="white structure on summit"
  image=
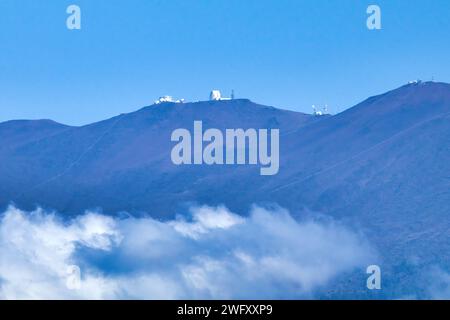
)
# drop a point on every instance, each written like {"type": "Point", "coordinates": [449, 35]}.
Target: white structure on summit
{"type": "Point", "coordinates": [418, 81]}
{"type": "Point", "coordinates": [164, 99]}
{"type": "Point", "coordinates": [318, 112]}
{"type": "Point", "coordinates": [216, 95]}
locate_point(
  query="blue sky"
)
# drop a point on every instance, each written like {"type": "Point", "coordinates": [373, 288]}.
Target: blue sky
{"type": "Point", "coordinates": [290, 54]}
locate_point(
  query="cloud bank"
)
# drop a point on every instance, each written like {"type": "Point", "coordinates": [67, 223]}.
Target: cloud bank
{"type": "Point", "coordinates": [213, 253]}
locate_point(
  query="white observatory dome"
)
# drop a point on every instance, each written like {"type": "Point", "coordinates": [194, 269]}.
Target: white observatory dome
{"type": "Point", "coordinates": [215, 95]}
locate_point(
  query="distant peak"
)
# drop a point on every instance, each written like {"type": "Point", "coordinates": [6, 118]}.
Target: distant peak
{"type": "Point", "coordinates": [25, 122]}
{"type": "Point", "coordinates": [417, 83]}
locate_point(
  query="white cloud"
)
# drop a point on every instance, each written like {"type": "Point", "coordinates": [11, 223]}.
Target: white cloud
{"type": "Point", "coordinates": [215, 254]}
{"type": "Point", "coordinates": [206, 219]}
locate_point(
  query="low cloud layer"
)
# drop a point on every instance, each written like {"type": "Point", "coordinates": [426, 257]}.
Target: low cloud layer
{"type": "Point", "coordinates": [212, 254]}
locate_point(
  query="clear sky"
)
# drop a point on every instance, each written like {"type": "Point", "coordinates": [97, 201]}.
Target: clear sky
{"type": "Point", "coordinates": [286, 53]}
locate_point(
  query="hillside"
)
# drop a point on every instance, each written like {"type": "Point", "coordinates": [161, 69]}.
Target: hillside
{"type": "Point", "coordinates": [381, 167]}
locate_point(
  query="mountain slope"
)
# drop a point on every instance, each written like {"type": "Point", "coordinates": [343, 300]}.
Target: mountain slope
{"type": "Point", "coordinates": [381, 166]}
{"type": "Point", "coordinates": [18, 132]}
{"type": "Point", "coordinates": [325, 162]}
{"type": "Point", "coordinates": [128, 155]}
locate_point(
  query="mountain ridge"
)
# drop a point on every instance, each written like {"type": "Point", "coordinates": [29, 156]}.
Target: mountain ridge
{"type": "Point", "coordinates": [133, 141]}
{"type": "Point", "coordinates": [380, 167]}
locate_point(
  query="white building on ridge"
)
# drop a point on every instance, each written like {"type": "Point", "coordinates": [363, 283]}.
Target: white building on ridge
{"type": "Point", "coordinates": [216, 95]}
{"type": "Point", "coordinates": [164, 99]}
{"type": "Point", "coordinates": [320, 112]}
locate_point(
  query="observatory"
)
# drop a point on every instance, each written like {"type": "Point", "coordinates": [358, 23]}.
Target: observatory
{"type": "Point", "coordinates": [320, 112]}
{"type": "Point", "coordinates": [216, 95]}
{"type": "Point", "coordinates": [170, 99]}
{"type": "Point", "coordinates": [415, 81]}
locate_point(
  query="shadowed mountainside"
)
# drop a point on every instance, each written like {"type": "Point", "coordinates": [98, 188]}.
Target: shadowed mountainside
{"type": "Point", "coordinates": [382, 166]}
